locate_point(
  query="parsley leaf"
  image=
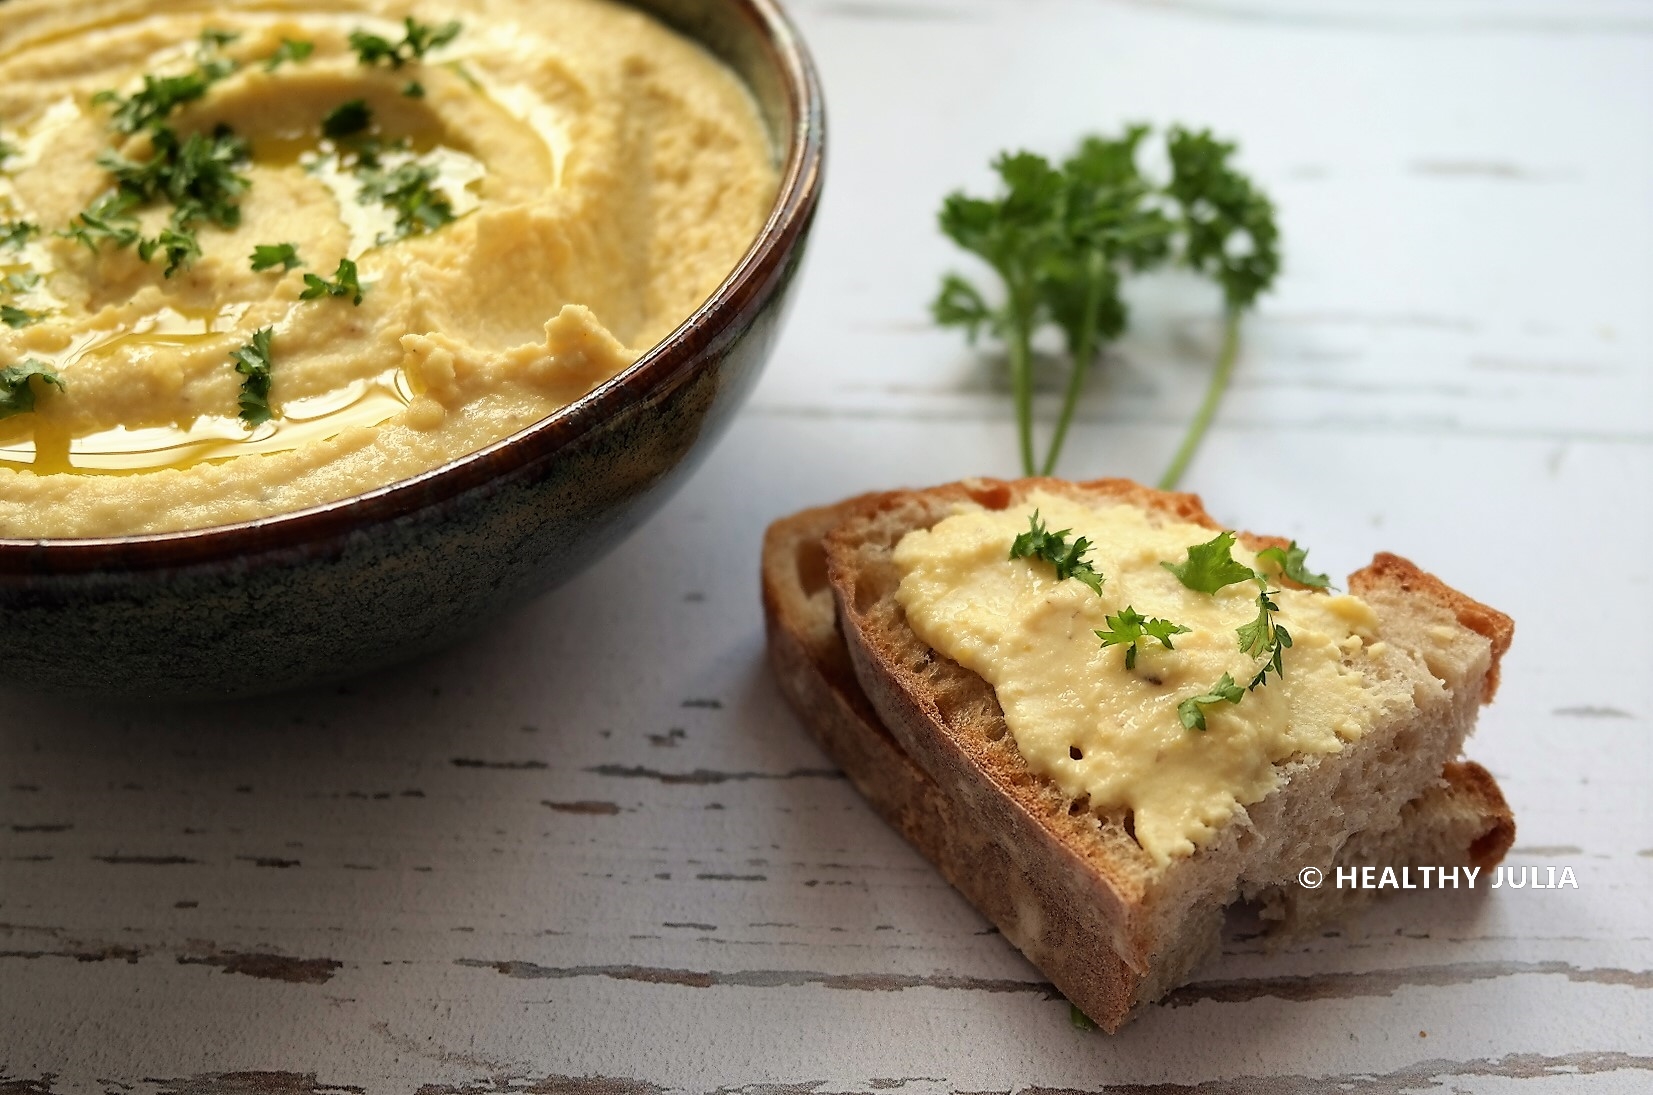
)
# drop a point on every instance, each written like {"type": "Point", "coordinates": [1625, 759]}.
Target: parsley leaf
{"type": "Point", "coordinates": [17, 390]}
{"type": "Point", "coordinates": [20, 282]}
{"type": "Point", "coordinates": [213, 39]}
{"type": "Point", "coordinates": [1292, 563]}
{"type": "Point", "coordinates": [253, 362]}
{"type": "Point", "coordinates": [344, 284]}
{"type": "Point", "coordinates": [1211, 566]}
{"type": "Point", "coordinates": [347, 119]}
{"type": "Point", "coordinates": [15, 234]}
{"type": "Point", "coordinates": [1192, 710]}
{"type": "Point", "coordinates": [407, 191]}
{"type": "Point", "coordinates": [15, 317]}
{"type": "Point", "coordinates": [1263, 638]}
{"type": "Point", "coordinates": [151, 105]}
{"type": "Point", "coordinates": [7, 151]}
{"type": "Point", "coordinates": [268, 255]}
{"type": "Point", "coordinates": [196, 175]}
{"type": "Point", "coordinates": [155, 101]}
{"type": "Point", "coordinates": [1128, 628]}
{"type": "Point", "coordinates": [107, 220]}
{"type": "Point", "coordinates": [418, 39]}
{"type": "Point", "coordinates": [413, 89]}
{"type": "Point", "coordinates": [1068, 559]}
{"type": "Point", "coordinates": [290, 49]}
{"type": "Point", "coordinates": [181, 248]}
{"type": "Point", "coordinates": [1059, 239]}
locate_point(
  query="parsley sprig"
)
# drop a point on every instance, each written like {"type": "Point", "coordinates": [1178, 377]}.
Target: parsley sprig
{"type": "Point", "coordinates": [14, 234]}
{"type": "Point", "coordinates": [1291, 562]}
{"type": "Point", "coordinates": [267, 256]}
{"type": "Point", "coordinates": [290, 50]}
{"type": "Point", "coordinates": [22, 385]}
{"type": "Point", "coordinates": [1069, 559]}
{"type": "Point", "coordinates": [345, 283]}
{"type": "Point", "coordinates": [1192, 710]}
{"type": "Point", "coordinates": [347, 119]}
{"type": "Point", "coordinates": [198, 174]}
{"type": "Point", "coordinates": [152, 104]}
{"type": "Point", "coordinates": [408, 191]}
{"type": "Point", "coordinates": [417, 40]}
{"type": "Point", "coordinates": [15, 317]}
{"type": "Point", "coordinates": [1230, 235]}
{"type": "Point", "coordinates": [1211, 566]}
{"type": "Point", "coordinates": [253, 362]}
{"type": "Point", "coordinates": [1128, 628]}
{"type": "Point", "coordinates": [1062, 239]}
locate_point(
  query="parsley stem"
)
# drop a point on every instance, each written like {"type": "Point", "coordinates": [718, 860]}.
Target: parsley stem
{"type": "Point", "coordinates": [1226, 357]}
{"type": "Point", "coordinates": [1084, 350]}
{"type": "Point", "coordinates": [1021, 382]}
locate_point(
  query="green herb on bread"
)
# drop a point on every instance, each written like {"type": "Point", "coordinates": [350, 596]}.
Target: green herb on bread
{"type": "Point", "coordinates": [1052, 547]}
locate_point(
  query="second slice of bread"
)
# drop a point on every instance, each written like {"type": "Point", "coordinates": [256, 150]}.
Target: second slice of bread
{"type": "Point", "coordinates": [1085, 878]}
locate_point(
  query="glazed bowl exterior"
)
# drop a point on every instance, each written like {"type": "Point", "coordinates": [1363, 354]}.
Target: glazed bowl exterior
{"type": "Point", "coordinates": [330, 592]}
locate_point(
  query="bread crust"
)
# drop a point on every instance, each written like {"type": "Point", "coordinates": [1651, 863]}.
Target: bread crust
{"type": "Point", "coordinates": [1087, 876]}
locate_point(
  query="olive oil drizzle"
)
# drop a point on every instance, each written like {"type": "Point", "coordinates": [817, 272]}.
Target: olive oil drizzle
{"type": "Point", "coordinates": [45, 447]}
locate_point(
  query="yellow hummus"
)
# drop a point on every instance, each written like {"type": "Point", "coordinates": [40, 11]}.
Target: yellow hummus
{"type": "Point", "coordinates": [1096, 728]}
{"type": "Point", "coordinates": [600, 176]}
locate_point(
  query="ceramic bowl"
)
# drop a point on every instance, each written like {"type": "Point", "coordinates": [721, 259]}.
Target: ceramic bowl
{"type": "Point", "coordinates": [329, 592]}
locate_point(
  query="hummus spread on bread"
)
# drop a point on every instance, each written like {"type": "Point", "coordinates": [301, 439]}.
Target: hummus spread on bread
{"type": "Point", "coordinates": [1107, 730]}
{"type": "Point", "coordinates": [532, 194]}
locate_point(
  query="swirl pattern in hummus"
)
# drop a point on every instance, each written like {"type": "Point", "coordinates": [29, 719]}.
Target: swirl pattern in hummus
{"type": "Point", "coordinates": [605, 175]}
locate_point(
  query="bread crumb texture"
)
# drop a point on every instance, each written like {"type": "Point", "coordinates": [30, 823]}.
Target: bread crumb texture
{"type": "Point", "coordinates": [1109, 735]}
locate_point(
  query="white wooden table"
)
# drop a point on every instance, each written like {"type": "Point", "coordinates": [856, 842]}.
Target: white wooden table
{"type": "Point", "coordinates": [590, 851]}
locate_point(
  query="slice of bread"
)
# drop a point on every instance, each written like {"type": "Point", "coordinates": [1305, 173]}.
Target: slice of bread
{"type": "Point", "coordinates": [1068, 885]}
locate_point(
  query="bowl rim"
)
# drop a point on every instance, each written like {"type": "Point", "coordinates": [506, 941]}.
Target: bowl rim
{"type": "Point", "coordinates": [658, 371]}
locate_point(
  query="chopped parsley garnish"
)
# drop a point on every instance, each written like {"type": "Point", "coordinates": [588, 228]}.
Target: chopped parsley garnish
{"type": "Point", "coordinates": [15, 317]}
{"type": "Point", "coordinates": [1211, 566]}
{"type": "Point", "coordinates": [213, 39]}
{"type": "Point", "coordinates": [253, 362]}
{"type": "Point", "coordinates": [347, 119]}
{"type": "Point", "coordinates": [180, 248]}
{"type": "Point", "coordinates": [344, 284]}
{"type": "Point", "coordinates": [15, 234]}
{"type": "Point", "coordinates": [197, 176]}
{"type": "Point", "coordinates": [107, 220]}
{"type": "Point", "coordinates": [18, 390]}
{"type": "Point", "coordinates": [418, 39]}
{"type": "Point", "coordinates": [1263, 638]}
{"type": "Point", "coordinates": [20, 282]}
{"type": "Point", "coordinates": [1292, 563]}
{"type": "Point", "coordinates": [1192, 710]}
{"type": "Point", "coordinates": [407, 192]}
{"type": "Point", "coordinates": [266, 256]}
{"type": "Point", "coordinates": [151, 105]}
{"type": "Point", "coordinates": [1068, 559]}
{"type": "Point", "coordinates": [8, 150]}
{"type": "Point", "coordinates": [413, 89]}
{"type": "Point", "coordinates": [1128, 628]}
{"type": "Point", "coordinates": [289, 50]}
